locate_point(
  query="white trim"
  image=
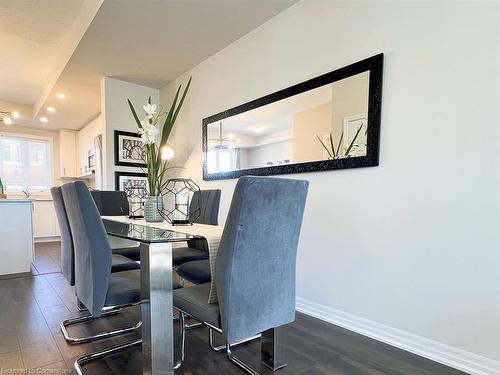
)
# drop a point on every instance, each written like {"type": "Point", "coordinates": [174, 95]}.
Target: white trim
{"type": "Point", "coordinates": [22, 135]}
{"type": "Point", "coordinates": [47, 239]}
{"type": "Point", "coordinates": [436, 351]}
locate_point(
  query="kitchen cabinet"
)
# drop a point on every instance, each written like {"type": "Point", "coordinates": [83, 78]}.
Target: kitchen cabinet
{"type": "Point", "coordinates": [45, 225]}
{"type": "Point", "coordinates": [67, 153]}
{"type": "Point", "coordinates": [85, 140]}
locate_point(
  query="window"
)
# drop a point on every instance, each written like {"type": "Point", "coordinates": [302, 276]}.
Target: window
{"type": "Point", "coordinates": [25, 163]}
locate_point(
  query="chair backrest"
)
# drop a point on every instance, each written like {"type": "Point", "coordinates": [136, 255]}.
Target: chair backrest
{"type": "Point", "coordinates": [92, 250]}
{"type": "Point", "coordinates": [67, 249]}
{"type": "Point", "coordinates": [208, 202]}
{"type": "Point", "coordinates": [255, 265]}
{"type": "Point", "coordinates": [111, 203]}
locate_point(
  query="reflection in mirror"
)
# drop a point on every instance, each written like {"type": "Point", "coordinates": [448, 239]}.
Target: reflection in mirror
{"type": "Point", "coordinates": [325, 123]}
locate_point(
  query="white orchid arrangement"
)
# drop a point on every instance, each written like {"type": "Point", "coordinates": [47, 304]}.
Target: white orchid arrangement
{"type": "Point", "coordinates": [149, 125]}
{"type": "Point", "coordinates": [155, 138]}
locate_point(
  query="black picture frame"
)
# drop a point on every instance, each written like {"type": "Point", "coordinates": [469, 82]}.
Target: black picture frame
{"type": "Point", "coordinates": [372, 64]}
{"type": "Point", "coordinates": [118, 162]}
{"type": "Point", "coordinates": [131, 174]}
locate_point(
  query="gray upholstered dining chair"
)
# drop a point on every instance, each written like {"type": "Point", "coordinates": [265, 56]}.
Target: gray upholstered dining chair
{"type": "Point", "coordinates": [196, 272]}
{"type": "Point", "coordinates": [115, 203]}
{"type": "Point", "coordinates": [103, 292]}
{"type": "Point", "coordinates": [255, 268]}
{"type": "Point", "coordinates": [119, 262]}
{"type": "Point", "coordinates": [208, 201]}
{"type": "Point", "coordinates": [97, 287]}
{"type": "Point", "coordinates": [111, 203]}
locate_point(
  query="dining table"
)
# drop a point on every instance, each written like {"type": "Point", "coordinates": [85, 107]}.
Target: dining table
{"type": "Point", "coordinates": [156, 241]}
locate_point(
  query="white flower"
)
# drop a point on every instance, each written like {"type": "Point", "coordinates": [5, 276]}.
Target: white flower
{"type": "Point", "coordinates": [150, 110]}
{"type": "Point", "coordinates": [148, 132]}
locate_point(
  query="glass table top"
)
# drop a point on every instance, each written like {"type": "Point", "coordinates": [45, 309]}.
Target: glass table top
{"type": "Point", "coordinates": [143, 233]}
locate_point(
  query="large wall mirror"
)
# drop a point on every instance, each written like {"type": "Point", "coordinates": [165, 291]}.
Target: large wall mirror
{"type": "Point", "coordinates": [329, 122]}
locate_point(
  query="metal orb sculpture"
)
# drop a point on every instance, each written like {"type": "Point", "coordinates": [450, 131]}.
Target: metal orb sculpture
{"type": "Point", "coordinates": [137, 194]}
{"type": "Point", "coordinates": [181, 201]}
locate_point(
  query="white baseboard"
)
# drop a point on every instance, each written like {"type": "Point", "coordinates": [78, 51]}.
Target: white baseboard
{"type": "Point", "coordinates": [436, 351]}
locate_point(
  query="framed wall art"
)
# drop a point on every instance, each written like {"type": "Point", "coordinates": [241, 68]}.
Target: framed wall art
{"type": "Point", "coordinates": [129, 149]}
{"type": "Point", "coordinates": [125, 181]}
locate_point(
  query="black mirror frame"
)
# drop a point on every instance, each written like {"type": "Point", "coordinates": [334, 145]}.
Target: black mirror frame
{"type": "Point", "coordinates": [372, 64]}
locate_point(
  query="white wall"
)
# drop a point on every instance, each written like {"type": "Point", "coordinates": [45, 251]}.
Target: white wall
{"type": "Point", "coordinates": [117, 116]}
{"type": "Point", "coordinates": [259, 156]}
{"type": "Point", "coordinates": [414, 243]}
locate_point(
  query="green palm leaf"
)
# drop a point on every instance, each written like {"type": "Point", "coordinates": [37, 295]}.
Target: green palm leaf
{"type": "Point", "coordinates": [134, 113]}
{"type": "Point", "coordinates": [324, 146]}
{"type": "Point", "coordinates": [173, 112]}
{"type": "Point", "coordinates": [353, 140]}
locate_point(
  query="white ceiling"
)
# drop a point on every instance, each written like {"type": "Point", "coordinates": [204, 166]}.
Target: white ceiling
{"type": "Point", "coordinates": [31, 34]}
{"type": "Point", "coordinates": [148, 42]}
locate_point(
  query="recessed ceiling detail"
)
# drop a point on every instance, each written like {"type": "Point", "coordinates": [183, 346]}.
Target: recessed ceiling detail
{"type": "Point", "coordinates": [37, 33]}
{"type": "Point", "coordinates": [31, 34]}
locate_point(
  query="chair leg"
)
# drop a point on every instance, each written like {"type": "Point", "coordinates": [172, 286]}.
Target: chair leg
{"type": "Point", "coordinates": [178, 364]}
{"type": "Point", "coordinates": [222, 348]}
{"type": "Point", "coordinates": [217, 349]}
{"type": "Point", "coordinates": [91, 357]}
{"type": "Point", "coordinates": [194, 325]}
{"type": "Point", "coordinates": [78, 340]}
{"type": "Point", "coordinates": [239, 363]}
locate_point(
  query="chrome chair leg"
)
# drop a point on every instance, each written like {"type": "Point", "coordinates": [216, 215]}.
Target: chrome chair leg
{"type": "Point", "coordinates": [178, 364]}
{"type": "Point", "coordinates": [194, 325]}
{"type": "Point", "coordinates": [239, 363]}
{"type": "Point", "coordinates": [80, 362]}
{"type": "Point", "coordinates": [78, 340]}
{"type": "Point", "coordinates": [222, 348]}
{"type": "Point", "coordinates": [217, 349]}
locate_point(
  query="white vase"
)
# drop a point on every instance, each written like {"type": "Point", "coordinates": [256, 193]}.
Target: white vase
{"type": "Point", "coordinates": [152, 208]}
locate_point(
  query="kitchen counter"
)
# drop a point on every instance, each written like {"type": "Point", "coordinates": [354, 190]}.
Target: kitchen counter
{"type": "Point", "coordinates": [16, 200]}
{"type": "Point", "coordinates": [21, 197]}
{"type": "Point", "coordinates": [16, 232]}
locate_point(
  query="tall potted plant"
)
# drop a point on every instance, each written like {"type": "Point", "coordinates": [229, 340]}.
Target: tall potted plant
{"type": "Point", "coordinates": [158, 151]}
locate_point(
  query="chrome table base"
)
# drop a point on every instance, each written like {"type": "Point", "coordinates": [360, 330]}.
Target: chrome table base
{"type": "Point", "coordinates": [272, 348]}
{"type": "Point", "coordinates": [156, 295]}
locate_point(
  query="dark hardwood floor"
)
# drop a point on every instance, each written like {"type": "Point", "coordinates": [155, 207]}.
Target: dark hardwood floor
{"type": "Point", "coordinates": [31, 309]}
{"type": "Point", "coordinates": [47, 258]}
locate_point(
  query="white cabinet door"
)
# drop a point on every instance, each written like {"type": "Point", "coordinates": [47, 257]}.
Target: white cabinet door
{"type": "Point", "coordinates": [44, 219]}
{"type": "Point", "coordinates": [67, 153]}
